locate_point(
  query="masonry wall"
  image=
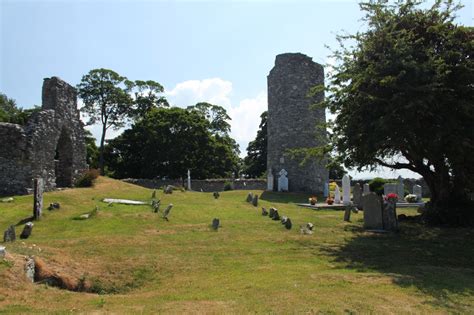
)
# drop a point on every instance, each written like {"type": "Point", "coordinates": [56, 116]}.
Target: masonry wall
{"type": "Point", "coordinates": [292, 123]}
{"type": "Point", "coordinates": [206, 185]}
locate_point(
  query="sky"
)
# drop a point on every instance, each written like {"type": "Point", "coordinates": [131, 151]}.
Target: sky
{"type": "Point", "coordinates": [214, 51]}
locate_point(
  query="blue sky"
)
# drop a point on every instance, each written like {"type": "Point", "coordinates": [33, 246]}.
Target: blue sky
{"type": "Point", "coordinates": [216, 51]}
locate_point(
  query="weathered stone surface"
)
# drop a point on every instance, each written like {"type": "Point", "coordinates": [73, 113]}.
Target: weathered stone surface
{"type": "Point", "coordinates": [417, 190]}
{"type": "Point", "coordinates": [264, 212]}
{"type": "Point", "coordinates": [124, 201]}
{"type": "Point", "coordinates": [55, 131]}
{"type": "Point", "coordinates": [305, 231]}
{"type": "Point", "coordinates": [347, 213]}
{"type": "Point", "coordinates": [291, 122]}
{"type": "Point", "coordinates": [310, 226]}
{"type": "Point", "coordinates": [166, 212]}
{"type": "Point", "coordinates": [366, 189]}
{"type": "Point", "coordinates": [155, 205]}
{"type": "Point", "coordinates": [288, 224]}
{"type": "Point", "coordinates": [357, 195]}
{"type": "Point", "coordinates": [372, 205]}
{"type": "Point", "coordinates": [54, 205]}
{"type": "Point", "coordinates": [276, 216]}
{"type": "Point", "coordinates": [283, 219]}
{"type": "Point", "coordinates": [346, 190]}
{"type": "Point", "coordinates": [326, 190]}
{"type": "Point", "coordinates": [168, 189]}
{"type": "Point", "coordinates": [337, 195]}
{"type": "Point", "coordinates": [283, 180]}
{"type": "Point", "coordinates": [215, 223]}
{"type": "Point", "coordinates": [153, 194]}
{"type": "Point", "coordinates": [30, 268]}
{"type": "Point", "coordinates": [9, 235]}
{"type": "Point", "coordinates": [400, 189]}
{"type": "Point", "coordinates": [216, 195]}
{"type": "Point", "coordinates": [255, 200]}
{"type": "Point", "coordinates": [27, 230]}
{"type": "Point", "coordinates": [390, 220]}
{"type": "Point", "coordinates": [271, 213]}
{"type": "Point", "coordinates": [3, 252]}
{"type": "Point", "coordinates": [249, 197]}
{"type": "Point", "coordinates": [270, 180]}
{"type": "Point", "coordinates": [389, 188]}
{"type": "Point", "coordinates": [38, 187]}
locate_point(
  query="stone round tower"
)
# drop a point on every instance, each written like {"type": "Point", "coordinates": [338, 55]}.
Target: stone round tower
{"type": "Point", "coordinates": [293, 124]}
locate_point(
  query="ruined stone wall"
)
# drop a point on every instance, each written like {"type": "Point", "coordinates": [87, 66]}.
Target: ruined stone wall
{"type": "Point", "coordinates": [292, 123]}
{"type": "Point", "coordinates": [50, 146]}
{"type": "Point", "coordinates": [206, 185]}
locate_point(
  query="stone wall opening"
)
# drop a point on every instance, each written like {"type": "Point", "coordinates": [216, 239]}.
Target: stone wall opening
{"type": "Point", "coordinates": [63, 160]}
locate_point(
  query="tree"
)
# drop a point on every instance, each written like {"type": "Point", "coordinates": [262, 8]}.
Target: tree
{"type": "Point", "coordinates": [146, 97]}
{"type": "Point", "coordinates": [402, 91]}
{"type": "Point", "coordinates": [106, 101]}
{"type": "Point", "coordinates": [167, 142]}
{"type": "Point", "coordinates": [11, 113]}
{"type": "Point", "coordinates": [92, 152]}
{"type": "Point", "coordinates": [255, 163]}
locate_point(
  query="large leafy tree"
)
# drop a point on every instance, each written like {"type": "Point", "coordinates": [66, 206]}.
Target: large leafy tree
{"type": "Point", "coordinates": [146, 96]}
{"type": "Point", "coordinates": [403, 94]}
{"type": "Point", "coordinates": [255, 163]}
{"type": "Point", "coordinates": [11, 113]}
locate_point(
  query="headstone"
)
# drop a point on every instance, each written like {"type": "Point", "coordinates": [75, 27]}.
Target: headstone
{"type": "Point", "coordinates": [270, 180]}
{"type": "Point", "coordinates": [366, 189]}
{"type": "Point", "coordinates": [372, 205]}
{"type": "Point", "coordinates": [255, 201]}
{"type": "Point", "coordinates": [283, 219]}
{"type": "Point", "coordinates": [54, 205]}
{"type": "Point", "coordinates": [390, 220]}
{"type": "Point", "coordinates": [167, 211]}
{"type": "Point", "coordinates": [155, 204]}
{"type": "Point", "coordinates": [264, 212]}
{"type": "Point", "coordinates": [27, 230]}
{"type": "Point", "coordinates": [272, 212]}
{"type": "Point", "coordinates": [418, 191]}
{"type": "Point", "coordinates": [347, 213]}
{"type": "Point", "coordinates": [153, 194]}
{"type": "Point", "coordinates": [400, 189]}
{"type": "Point", "coordinates": [283, 180]}
{"type": "Point", "coordinates": [337, 195]}
{"type": "Point", "coordinates": [216, 195]}
{"type": "Point", "coordinates": [38, 187]}
{"type": "Point", "coordinates": [326, 190]}
{"type": "Point", "coordinates": [30, 268]}
{"type": "Point", "coordinates": [389, 188]}
{"type": "Point", "coordinates": [3, 252]}
{"type": "Point", "coordinates": [189, 180]}
{"type": "Point", "coordinates": [288, 224]}
{"type": "Point", "coordinates": [346, 190]}
{"type": "Point", "coordinates": [310, 226]}
{"type": "Point", "coordinates": [9, 235]}
{"type": "Point", "coordinates": [250, 197]}
{"type": "Point", "coordinates": [168, 189]}
{"type": "Point", "coordinates": [357, 196]}
{"type": "Point", "coordinates": [276, 216]}
{"type": "Point", "coordinates": [215, 223]}
{"type": "Point", "coordinates": [305, 231]}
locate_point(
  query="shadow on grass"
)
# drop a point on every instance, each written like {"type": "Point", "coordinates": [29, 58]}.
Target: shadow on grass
{"type": "Point", "coordinates": [284, 197]}
{"type": "Point", "coordinates": [25, 220]}
{"type": "Point", "coordinates": [437, 261]}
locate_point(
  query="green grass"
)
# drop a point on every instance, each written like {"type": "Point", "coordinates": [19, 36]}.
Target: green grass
{"type": "Point", "coordinates": [139, 263]}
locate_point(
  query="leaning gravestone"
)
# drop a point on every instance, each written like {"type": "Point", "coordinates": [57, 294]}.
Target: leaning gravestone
{"type": "Point", "coordinates": [337, 195]}
{"type": "Point", "coordinates": [153, 194]}
{"type": "Point", "coordinates": [283, 180]}
{"type": "Point", "coordinates": [155, 204]}
{"type": "Point", "coordinates": [346, 190]}
{"type": "Point", "coordinates": [264, 212]}
{"type": "Point", "coordinates": [272, 212]}
{"type": "Point", "coordinates": [27, 230]}
{"type": "Point", "coordinates": [215, 223]}
{"type": "Point", "coordinates": [389, 188]}
{"type": "Point", "coordinates": [9, 235]}
{"type": "Point", "coordinates": [417, 190]}
{"type": "Point", "coordinates": [166, 212]}
{"type": "Point", "coordinates": [38, 198]}
{"type": "Point", "coordinates": [255, 201]}
{"type": "Point", "coordinates": [276, 216]}
{"type": "Point", "coordinates": [357, 196]}
{"type": "Point", "coordinates": [250, 197]}
{"type": "Point", "coordinates": [372, 205]}
{"type": "Point", "coordinates": [400, 189]}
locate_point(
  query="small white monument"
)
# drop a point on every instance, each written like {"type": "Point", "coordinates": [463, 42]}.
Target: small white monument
{"type": "Point", "coordinates": [270, 180]}
{"type": "Point", "coordinates": [189, 180]}
{"type": "Point", "coordinates": [337, 195]}
{"type": "Point", "coordinates": [283, 180]}
{"type": "Point", "coordinates": [346, 190]}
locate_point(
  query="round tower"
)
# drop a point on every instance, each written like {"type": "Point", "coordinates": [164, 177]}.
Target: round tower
{"type": "Point", "coordinates": [292, 123]}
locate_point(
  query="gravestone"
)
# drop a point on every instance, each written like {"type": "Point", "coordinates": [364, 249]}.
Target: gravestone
{"type": "Point", "coordinates": [347, 213]}
{"type": "Point", "coordinates": [255, 201]}
{"type": "Point", "coordinates": [38, 187]}
{"type": "Point", "coordinates": [326, 190]}
{"type": "Point", "coordinates": [272, 212]}
{"type": "Point", "coordinates": [337, 195]}
{"type": "Point", "coordinates": [305, 231]}
{"type": "Point", "coordinates": [372, 205]}
{"type": "Point", "coordinates": [310, 226]}
{"type": "Point", "coordinates": [30, 268]}
{"type": "Point", "coordinates": [155, 204]}
{"type": "Point", "coordinates": [357, 196]}
{"type": "Point", "coordinates": [167, 211]}
{"type": "Point", "coordinates": [264, 212]}
{"type": "Point", "coordinates": [54, 205]}
{"type": "Point", "coordinates": [400, 189]}
{"type": "Point", "coordinates": [283, 219]}
{"type": "Point", "coordinates": [389, 188]}
{"type": "Point", "coordinates": [366, 189]}
{"type": "Point", "coordinates": [9, 235]}
{"type": "Point", "coordinates": [168, 189]}
{"type": "Point", "coordinates": [417, 190]}
{"type": "Point", "coordinates": [288, 224]}
{"type": "Point", "coordinates": [153, 194]}
{"type": "Point", "coordinates": [283, 180]}
{"type": "Point", "coordinates": [270, 180]}
{"type": "Point", "coordinates": [346, 190]}
{"type": "Point", "coordinates": [216, 195]}
{"type": "Point", "coordinates": [189, 180]}
{"type": "Point", "coordinates": [276, 216]}
{"type": "Point", "coordinates": [215, 223]}
{"type": "Point", "coordinates": [3, 252]}
{"type": "Point", "coordinates": [249, 197]}
{"type": "Point", "coordinates": [389, 216]}
{"type": "Point", "coordinates": [27, 230]}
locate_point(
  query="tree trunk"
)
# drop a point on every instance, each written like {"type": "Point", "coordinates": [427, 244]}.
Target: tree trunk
{"type": "Point", "coordinates": [101, 149]}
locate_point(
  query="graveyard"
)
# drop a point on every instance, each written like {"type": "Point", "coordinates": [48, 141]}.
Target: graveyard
{"type": "Point", "coordinates": [133, 261]}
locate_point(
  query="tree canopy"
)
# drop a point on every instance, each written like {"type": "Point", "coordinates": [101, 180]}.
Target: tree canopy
{"type": "Point", "coordinates": [403, 94]}
{"type": "Point", "coordinates": [255, 163]}
{"type": "Point", "coordinates": [11, 113]}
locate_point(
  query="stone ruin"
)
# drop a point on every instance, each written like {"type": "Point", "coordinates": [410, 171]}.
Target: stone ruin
{"type": "Point", "coordinates": [292, 122]}
{"type": "Point", "coordinates": [50, 146]}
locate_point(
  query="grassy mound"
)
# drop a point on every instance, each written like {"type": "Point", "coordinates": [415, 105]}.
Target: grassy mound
{"type": "Point", "coordinates": [136, 262]}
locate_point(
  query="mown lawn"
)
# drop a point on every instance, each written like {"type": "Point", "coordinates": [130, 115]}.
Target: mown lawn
{"type": "Point", "coordinates": [140, 263]}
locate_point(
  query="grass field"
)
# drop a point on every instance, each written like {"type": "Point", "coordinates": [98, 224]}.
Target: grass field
{"type": "Point", "coordinates": [139, 263]}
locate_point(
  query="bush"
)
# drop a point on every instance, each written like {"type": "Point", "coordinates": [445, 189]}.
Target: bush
{"type": "Point", "coordinates": [88, 178]}
{"type": "Point", "coordinates": [376, 185]}
{"type": "Point", "coordinates": [411, 198]}
{"type": "Point", "coordinates": [227, 186]}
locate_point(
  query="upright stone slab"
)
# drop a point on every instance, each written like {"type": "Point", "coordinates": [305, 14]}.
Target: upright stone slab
{"type": "Point", "coordinates": [292, 122]}
{"type": "Point", "coordinates": [255, 200]}
{"type": "Point", "coordinates": [372, 205]}
{"type": "Point", "coordinates": [189, 180]}
{"type": "Point", "coordinates": [27, 230]}
{"type": "Point", "coordinates": [417, 190]}
{"type": "Point", "coordinates": [270, 180]}
{"type": "Point", "coordinates": [326, 190]}
{"type": "Point", "coordinates": [357, 195]}
{"type": "Point", "coordinates": [400, 189]}
{"type": "Point", "coordinates": [346, 190]}
{"type": "Point", "coordinates": [389, 215]}
{"type": "Point", "coordinates": [390, 188]}
{"type": "Point", "coordinates": [366, 189]}
{"type": "Point", "coordinates": [9, 235]}
{"type": "Point", "coordinates": [215, 223]}
{"type": "Point", "coordinates": [283, 180]}
{"type": "Point", "coordinates": [337, 195]}
{"type": "Point", "coordinates": [38, 198]}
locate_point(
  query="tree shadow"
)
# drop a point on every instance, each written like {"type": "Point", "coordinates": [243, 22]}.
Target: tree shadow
{"type": "Point", "coordinates": [437, 261]}
{"type": "Point", "coordinates": [284, 197]}
{"type": "Point", "coordinates": [25, 220]}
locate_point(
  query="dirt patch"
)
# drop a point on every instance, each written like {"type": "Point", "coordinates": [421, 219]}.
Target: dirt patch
{"type": "Point", "coordinates": [57, 276]}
